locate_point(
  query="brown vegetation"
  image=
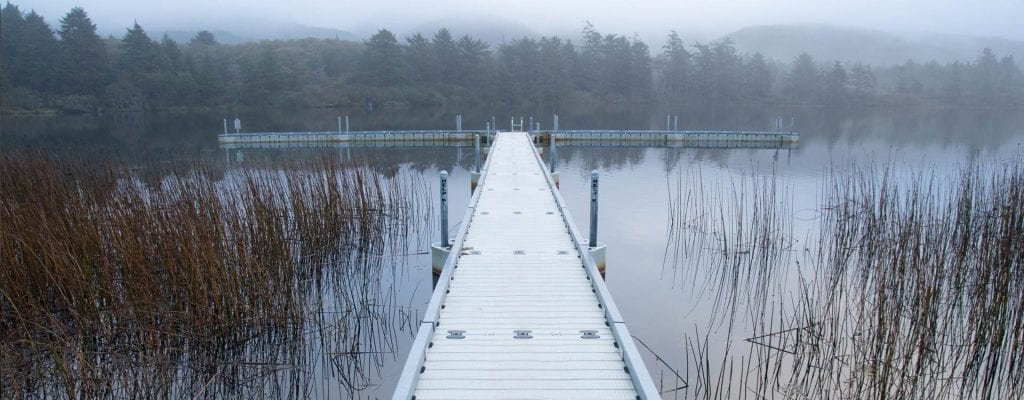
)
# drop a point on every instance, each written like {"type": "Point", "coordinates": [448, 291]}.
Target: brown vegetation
{"type": "Point", "coordinates": [200, 282]}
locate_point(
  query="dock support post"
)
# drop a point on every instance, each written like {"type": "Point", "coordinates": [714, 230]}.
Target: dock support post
{"type": "Point", "coordinates": [593, 209]}
{"type": "Point", "coordinates": [597, 249]}
{"type": "Point", "coordinates": [439, 251]}
{"type": "Point", "coordinates": [238, 125]}
{"type": "Point", "coordinates": [675, 123]}
{"type": "Point", "coordinates": [554, 158]}
{"type": "Point", "coordinates": [792, 122]}
{"type": "Point", "coordinates": [555, 126]}
{"type": "Point", "coordinates": [444, 207]}
{"type": "Point", "coordinates": [531, 124]}
{"type": "Point", "coordinates": [346, 123]}
{"type": "Point", "coordinates": [339, 125]}
{"type": "Point", "coordinates": [474, 177]}
{"type": "Point", "coordinates": [458, 123]}
{"type": "Point", "coordinates": [225, 126]}
{"type": "Point", "coordinates": [668, 122]}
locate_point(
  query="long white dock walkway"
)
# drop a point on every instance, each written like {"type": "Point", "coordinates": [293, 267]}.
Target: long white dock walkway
{"type": "Point", "coordinates": [520, 310]}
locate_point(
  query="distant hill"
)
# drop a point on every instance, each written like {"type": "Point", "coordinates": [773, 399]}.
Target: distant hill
{"type": "Point", "coordinates": [186, 36]}
{"type": "Point", "coordinates": [493, 30]}
{"type": "Point", "coordinates": [257, 32]}
{"type": "Point", "coordinates": [826, 42]}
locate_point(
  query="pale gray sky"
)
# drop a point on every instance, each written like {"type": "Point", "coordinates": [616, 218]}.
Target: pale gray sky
{"type": "Point", "coordinates": [1003, 18]}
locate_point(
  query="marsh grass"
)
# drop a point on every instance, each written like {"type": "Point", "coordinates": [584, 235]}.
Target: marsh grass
{"type": "Point", "coordinates": [736, 233]}
{"type": "Point", "coordinates": [913, 289]}
{"type": "Point", "coordinates": [199, 281]}
{"type": "Point", "coordinates": [919, 289]}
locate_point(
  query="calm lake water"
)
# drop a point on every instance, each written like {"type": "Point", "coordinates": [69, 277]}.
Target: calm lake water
{"type": "Point", "coordinates": [662, 209]}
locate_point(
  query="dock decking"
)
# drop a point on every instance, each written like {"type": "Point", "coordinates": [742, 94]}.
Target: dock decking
{"type": "Point", "coordinates": [520, 310]}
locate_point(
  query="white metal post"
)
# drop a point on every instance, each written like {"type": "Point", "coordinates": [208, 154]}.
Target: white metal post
{"type": "Point", "coordinates": [593, 209]}
{"type": "Point", "coordinates": [476, 143]}
{"type": "Point", "coordinates": [444, 208]}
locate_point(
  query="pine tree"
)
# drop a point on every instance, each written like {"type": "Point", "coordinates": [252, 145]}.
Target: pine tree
{"type": "Point", "coordinates": [675, 70]}
{"type": "Point", "coordinates": [139, 54]}
{"type": "Point", "coordinates": [11, 44]}
{"type": "Point", "coordinates": [862, 80]}
{"type": "Point", "coordinates": [591, 60]}
{"type": "Point", "coordinates": [262, 77]}
{"type": "Point", "coordinates": [446, 55]}
{"type": "Point", "coordinates": [41, 53]}
{"type": "Point", "coordinates": [171, 57]}
{"type": "Point", "coordinates": [471, 64]}
{"type": "Point", "coordinates": [29, 48]}
{"type": "Point", "coordinates": [757, 80]}
{"type": "Point", "coordinates": [382, 63]}
{"type": "Point", "coordinates": [421, 60]}
{"type": "Point", "coordinates": [554, 67]}
{"type": "Point", "coordinates": [836, 81]}
{"type": "Point", "coordinates": [83, 55]}
{"type": "Point", "coordinates": [803, 82]}
{"type": "Point", "coordinates": [203, 38]}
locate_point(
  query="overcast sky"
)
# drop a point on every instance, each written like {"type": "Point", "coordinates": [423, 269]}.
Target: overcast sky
{"type": "Point", "coordinates": [979, 17]}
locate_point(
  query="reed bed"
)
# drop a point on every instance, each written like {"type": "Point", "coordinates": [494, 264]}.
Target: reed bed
{"type": "Point", "coordinates": [913, 289]}
{"type": "Point", "coordinates": [734, 234]}
{"type": "Point", "coordinates": [921, 289]}
{"type": "Point", "coordinates": [197, 282]}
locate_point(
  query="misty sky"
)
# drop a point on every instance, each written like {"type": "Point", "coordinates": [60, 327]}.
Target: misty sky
{"type": "Point", "coordinates": [714, 17]}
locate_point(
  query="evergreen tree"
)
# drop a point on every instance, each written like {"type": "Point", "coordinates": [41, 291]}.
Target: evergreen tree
{"type": "Point", "coordinates": [83, 55]}
{"type": "Point", "coordinates": [262, 76]}
{"type": "Point", "coordinates": [170, 56]}
{"type": "Point", "coordinates": [203, 38]}
{"type": "Point", "coordinates": [836, 91]}
{"type": "Point", "coordinates": [556, 59]}
{"type": "Point", "coordinates": [174, 82]}
{"type": "Point", "coordinates": [139, 54]}
{"type": "Point", "coordinates": [446, 54]}
{"type": "Point", "coordinates": [590, 60]}
{"type": "Point", "coordinates": [34, 65]}
{"type": "Point", "coordinates": [11, 44]}
{"type": "Point", "coordinates": [953, 90]}
{"type": "Point", "coordinates": [862, 80]}
{"type": "Point", "coordinates": [908, 87]}
{"type": "Point", "coordinates": [615, 83]}
{"type": "Point", "coordinates": [471, 64]}
{"type": "Point", "coordinates": [804, 80]}
{"type": "Point", "coordinates": [640, 75]}
{"type": "Point", "coordinates": [519, 62]}
{"type": "Point", "coordinates": [757, 80]}
{"type": "Point", "coordinates": [717, 72]}
{"type": "Point", "coordinates": [382, 62]}
{"type": "Point", "coordinates": [1011, 84]}
{"type": "Point", "coordinates": [422, 60]}
{"type": "Point", "coordinates": [675, 70]}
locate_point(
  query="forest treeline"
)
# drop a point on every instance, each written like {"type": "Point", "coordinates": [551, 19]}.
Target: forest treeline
{"type": "Point", "coordinates": [73, 69]}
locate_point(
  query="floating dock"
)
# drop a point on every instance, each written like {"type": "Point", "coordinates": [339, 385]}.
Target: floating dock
{"type": "Point", "coordinates": [520, 309]}
{"type": "Point", "coordinates": [646, 137]}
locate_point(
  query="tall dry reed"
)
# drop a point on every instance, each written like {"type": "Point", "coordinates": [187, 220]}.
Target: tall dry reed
{"type": "Point", "coordinates": [913, 289]}
{"type": "Point", "coordinates": [114, 283]}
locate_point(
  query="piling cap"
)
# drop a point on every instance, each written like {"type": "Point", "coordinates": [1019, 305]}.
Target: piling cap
{"type": "Point", "coordinates": [444, 174]}
{"type": "Point", "coordinates": [593, 174]}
